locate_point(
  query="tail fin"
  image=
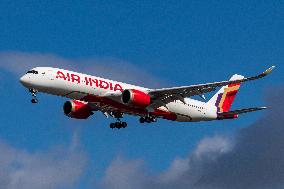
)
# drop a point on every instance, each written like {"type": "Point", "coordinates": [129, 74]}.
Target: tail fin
{"type": "Point", "coordinates": [224, 98]}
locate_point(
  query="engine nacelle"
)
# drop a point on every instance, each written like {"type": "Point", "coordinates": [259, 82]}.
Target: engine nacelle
{"type": "Point", "coordinates": [77, 109]}
{"type": "Point", "coordinates": [136, 98]}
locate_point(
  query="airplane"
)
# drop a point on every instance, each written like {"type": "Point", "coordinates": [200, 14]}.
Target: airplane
{"type": "Point", "coordinates": [89, 94]}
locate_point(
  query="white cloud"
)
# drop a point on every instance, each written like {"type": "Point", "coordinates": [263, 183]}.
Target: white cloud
{"type": "Point", "coordinates": [19, 62]}
{"type": "Point", "coordinates": [178, 167]}
{"type": "Point", "coordinates": [56, 168]}
{"type": "Point", "coordinates": [254, 158]}
{"type": "Point", "coordinates": [208, 149]}
{"type": "Point", "coordinates": [213, 146]}
{"type": "Point", "coordinates": [123, 173]}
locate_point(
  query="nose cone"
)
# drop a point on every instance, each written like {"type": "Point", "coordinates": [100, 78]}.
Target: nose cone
{"type": "Point", "coordinates": [24, 80]}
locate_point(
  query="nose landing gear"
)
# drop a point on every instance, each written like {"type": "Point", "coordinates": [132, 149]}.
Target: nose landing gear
{"type": "Point", "coordinates": [34, 99]}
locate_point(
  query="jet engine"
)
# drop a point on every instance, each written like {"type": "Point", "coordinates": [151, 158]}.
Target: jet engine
{"type": "Point", "coordinates": [136, 98]}
{"type": "Point", "coordinates": [77, 109]}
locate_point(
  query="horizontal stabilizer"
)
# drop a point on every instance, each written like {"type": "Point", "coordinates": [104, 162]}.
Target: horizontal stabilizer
{"type": "Point", "coordinates": [235, 113]}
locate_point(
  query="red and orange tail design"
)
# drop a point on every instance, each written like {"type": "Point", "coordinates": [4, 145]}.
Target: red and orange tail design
{"type": "Point", "coordinates": [224, 98]}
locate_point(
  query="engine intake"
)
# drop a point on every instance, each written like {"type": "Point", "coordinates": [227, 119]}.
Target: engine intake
{"type": "Point", "coordinates": [77, 109]}
{"type": "Point", "coordinates": [136, 98]}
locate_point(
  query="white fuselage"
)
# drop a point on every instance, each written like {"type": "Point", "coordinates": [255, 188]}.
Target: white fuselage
{"type": "Point", "coordinates": [77, 86]}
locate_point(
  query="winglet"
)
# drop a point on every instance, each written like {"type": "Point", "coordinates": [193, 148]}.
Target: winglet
{"type": "Point", "coordinates": [266, 72]}
{"type": "Point", "coordinates": [262, 108]}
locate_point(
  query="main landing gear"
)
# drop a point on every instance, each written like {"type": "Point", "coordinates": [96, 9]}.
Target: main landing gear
{"type": "Point", "coordinates": [34, 99]}
{"type": "Point", "coordinates": [147, 119]}
{"type": "Point", "coordinates": [118, 124]}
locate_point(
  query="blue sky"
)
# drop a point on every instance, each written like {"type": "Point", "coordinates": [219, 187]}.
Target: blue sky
{"type": "Point", "coordinates": [153, 43]}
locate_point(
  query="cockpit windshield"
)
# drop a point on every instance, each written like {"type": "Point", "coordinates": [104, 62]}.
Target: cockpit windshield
{"type": "Point", "coordinates": [33, 71]}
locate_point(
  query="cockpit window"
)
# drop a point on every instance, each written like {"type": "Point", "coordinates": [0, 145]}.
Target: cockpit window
{"type": "Point", "coordinates": [33, 72]}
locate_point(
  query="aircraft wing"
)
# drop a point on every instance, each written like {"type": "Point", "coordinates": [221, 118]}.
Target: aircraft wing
{"type": "Point", "coordinates": [179, 93]}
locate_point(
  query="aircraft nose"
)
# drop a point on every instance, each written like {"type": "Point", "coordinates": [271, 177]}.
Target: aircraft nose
{"type": "Point", "coordinates": [24, 80]}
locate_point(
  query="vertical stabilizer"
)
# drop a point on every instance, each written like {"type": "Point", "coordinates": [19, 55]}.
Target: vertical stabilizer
{"type": "Point", "coordinates": [224, 98]}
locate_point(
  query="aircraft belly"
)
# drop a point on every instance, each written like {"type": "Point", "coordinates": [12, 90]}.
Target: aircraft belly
{"type": "Point", "coordinates": [181, 111]}
{"type": "Point", "coordinates": [211, 113]}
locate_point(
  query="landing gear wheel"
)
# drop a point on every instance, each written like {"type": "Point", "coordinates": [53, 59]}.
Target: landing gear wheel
{"type": "Point", "coordinates": [148, 119]}
{"type": "Point", "coordinates": [34, 92]}
{"type": "Point", "coordinates": [112, 126]}
{"type": "Point", "coordinates": [117, 125]}
{"type": "Point", "coordinates": [141, 120]}
{"type": "Point", "coordinates": [34, 101]}
{"type": "Point", "coordinates": [124, 124]}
